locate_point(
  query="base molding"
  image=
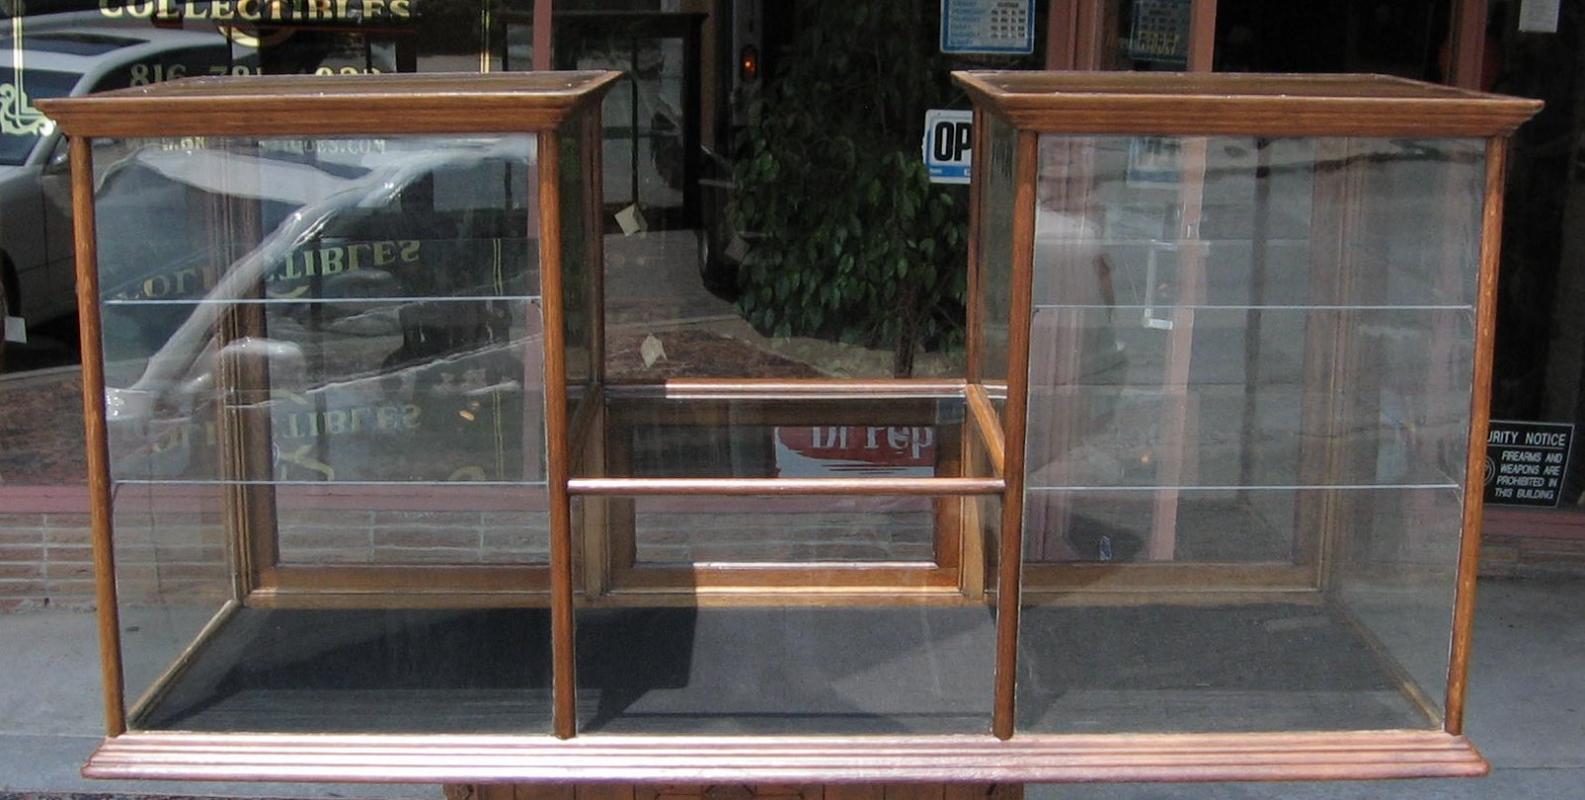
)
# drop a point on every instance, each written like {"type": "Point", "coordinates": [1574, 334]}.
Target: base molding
{"type": "Point", "coordinates": [735, 791]}
{"type": "Point", "coordinates": [781, 761]}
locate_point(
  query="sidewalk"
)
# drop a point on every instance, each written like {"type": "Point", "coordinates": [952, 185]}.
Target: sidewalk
{"type": "Point", "coordinates": [51, 719]}
{"type": "Point", "coordinates": [1526, 713]}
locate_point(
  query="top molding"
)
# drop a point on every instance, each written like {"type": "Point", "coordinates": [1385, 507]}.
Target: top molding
{"type": "Point", "coordinates": [309, 105]}
{"type": "Point", "coordinates": [1241, 104]}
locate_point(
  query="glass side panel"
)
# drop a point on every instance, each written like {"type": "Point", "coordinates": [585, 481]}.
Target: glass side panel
{"type": "Point", "coordinates": [1249, 385]}
{"type": "Point", "coordinates": [995, 256]}
{"type": "Point", "coordinates": [324, 369]}
{"type": "Point", "coordinates": [580, 258]}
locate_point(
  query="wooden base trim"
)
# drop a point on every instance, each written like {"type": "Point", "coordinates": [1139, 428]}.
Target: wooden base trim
{"type": "Point", "coordinates": [734, 791]}
{"type": "Point", "coordinates": [836, 759]}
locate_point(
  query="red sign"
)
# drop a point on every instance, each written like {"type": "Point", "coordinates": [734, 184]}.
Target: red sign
{"type": "Point", "coordinates": [820, 450]}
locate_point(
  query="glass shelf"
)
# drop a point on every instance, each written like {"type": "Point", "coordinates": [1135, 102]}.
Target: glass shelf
{"type": "Point", "coordinates": [294, 301]}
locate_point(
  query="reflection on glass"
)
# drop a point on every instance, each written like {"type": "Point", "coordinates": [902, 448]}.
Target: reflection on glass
{"type": "Point", "coordinates": [650, 149]}
{"type": "Point", "coordinates": [1247, 383]}
{"type": "Point", "coordinates": [742, 438]}
{"type": "Point", "coordinates": [345, 298]}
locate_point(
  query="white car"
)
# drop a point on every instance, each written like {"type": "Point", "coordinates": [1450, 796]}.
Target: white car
{"type": "Point", "coordinates": [58, 59]}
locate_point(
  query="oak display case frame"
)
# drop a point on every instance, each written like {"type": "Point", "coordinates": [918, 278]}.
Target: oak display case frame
{"type": "Point", "coordinates": [979, 555]}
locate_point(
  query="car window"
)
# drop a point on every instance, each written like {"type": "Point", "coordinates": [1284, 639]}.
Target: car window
{"type": "Point", "coordinates": [186, 62]}
{"type": "Point", "coordinates": [25, 125]}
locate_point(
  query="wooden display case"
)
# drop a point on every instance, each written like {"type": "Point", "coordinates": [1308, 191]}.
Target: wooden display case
{"type": "Point", "coordinates": [369, 506]}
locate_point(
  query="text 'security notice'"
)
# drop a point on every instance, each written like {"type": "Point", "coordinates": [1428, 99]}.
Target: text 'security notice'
{"type": "Point", "coordinates": [1526, 462]}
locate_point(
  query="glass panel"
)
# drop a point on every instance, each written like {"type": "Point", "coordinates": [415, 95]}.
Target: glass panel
{"type": "Point", "coordinates": [397, 525]}
{"type": "Point", "coordinates": [327, 354]}
{"type": "Point", "coordinates": [688, 530]}
{"type": "Point", "coordinates": [784, 670]}
{"type": "Point", "coordinates": [647, 160]}
{"type": "Point", "coordinates": [345, 297]}
{"type": "Point", "coordinates": [365, 671]}
{"type": "Point", "coordinates": [173, 576]}
{"type": "Point", "coordinates": [743, 438]}
{"type": "Point", "coordinates": [995, 257]}
{"type": "Point", "coordinates": [579, 259]}
{"type": "Point", "coordinates": [1539, 367]}
{"type": "Point", "coordinates": [1121, 525]}
{"type": "Point", "coordinates": [1254, 661]}
{"type": "Point", "coordinates": [1249, 385]}
{"type": "Point", "coordinates": [1149, 34]}
{"type": "Point", "coordinates": [1393, 574]}
{"type": "Point", "coordinates": [1242, 411]}
{"type": "Point", "coordinates": [345, 392]}
{"type": "Point", "coordinates": [710, 272]}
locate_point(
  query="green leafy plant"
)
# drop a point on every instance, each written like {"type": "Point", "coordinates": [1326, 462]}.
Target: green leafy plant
{"type": "Point", "coordinates": [850, 240]}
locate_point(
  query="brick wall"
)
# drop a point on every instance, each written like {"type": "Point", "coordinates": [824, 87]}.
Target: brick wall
{"type": "Point", "coordinates": [170, 544]}
{"type": "Point", "coordinates": [1520, 556]}
{"type": "Point", "coordinates": [45, 560]}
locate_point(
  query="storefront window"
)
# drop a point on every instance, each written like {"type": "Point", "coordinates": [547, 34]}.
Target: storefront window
{"type": "Point", "coordinates": [1540, 362]}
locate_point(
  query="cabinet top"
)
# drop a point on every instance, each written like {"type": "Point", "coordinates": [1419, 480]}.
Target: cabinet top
{"type": "Point", "coordinates": [1247, 104]}
{"type": "Point", "coordinates": [305, 105]}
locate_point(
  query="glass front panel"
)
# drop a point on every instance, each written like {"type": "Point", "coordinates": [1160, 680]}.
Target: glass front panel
{"type": "Point", "coordinates": [173, 577]}
{"type": "Point", "coordinates": [1249, 386]}
{"type": "Point", "coordinates": [324, 368]}
{"type": "Point", "coordinates": [830, 668]}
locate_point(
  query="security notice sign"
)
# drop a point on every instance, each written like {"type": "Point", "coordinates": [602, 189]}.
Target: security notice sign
{"type": "Point", "coordinates": [949, 136]}
{"type": "Point", "coordinates": [988, 26]}
{"type": "Point", "coordinates": [1526, 461]}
